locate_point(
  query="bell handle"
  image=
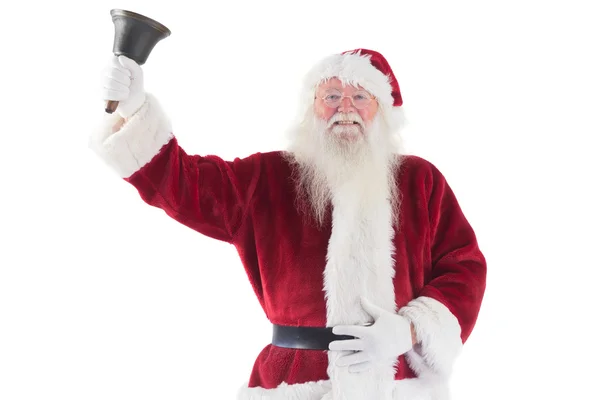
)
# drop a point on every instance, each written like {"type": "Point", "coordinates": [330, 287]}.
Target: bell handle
{"type": "Point", "coordinates": [111, 106]}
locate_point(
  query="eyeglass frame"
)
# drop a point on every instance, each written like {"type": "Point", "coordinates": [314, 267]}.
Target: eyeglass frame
{"type": "Point", "coordinates": [370, 97]}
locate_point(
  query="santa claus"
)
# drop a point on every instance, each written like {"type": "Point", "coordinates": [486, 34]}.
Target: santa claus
{"type": "Point", "coordinates": [359, 254]}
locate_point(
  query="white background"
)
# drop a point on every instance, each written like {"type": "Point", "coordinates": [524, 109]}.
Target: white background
{"type": "Point", "coordinates": [104, 297]}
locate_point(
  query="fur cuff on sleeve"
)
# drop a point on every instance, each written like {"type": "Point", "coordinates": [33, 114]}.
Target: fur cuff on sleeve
{"type": "Point", "coordinates": [438, 335]}
{"type": "Point", "coordinates": [127, 148]}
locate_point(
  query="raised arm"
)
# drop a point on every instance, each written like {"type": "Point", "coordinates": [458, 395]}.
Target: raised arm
{"type": "Point", "coordinates": [205, 193]}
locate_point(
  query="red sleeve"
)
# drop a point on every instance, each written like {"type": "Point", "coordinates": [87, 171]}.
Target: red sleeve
{"type": "Point", "coordinates": [204, 193]}
{"type": "Point", "coordinates": [458, 266]}
{"type": "Point", "coordinates": [446, 309]}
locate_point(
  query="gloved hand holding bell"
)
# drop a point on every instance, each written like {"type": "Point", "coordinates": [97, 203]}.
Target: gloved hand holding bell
{"type": "Point", "coordinates": [135, 37]}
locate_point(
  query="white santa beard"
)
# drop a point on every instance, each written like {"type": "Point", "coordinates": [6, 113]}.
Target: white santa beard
{"type": "Point", "coordinates": [344, 163]}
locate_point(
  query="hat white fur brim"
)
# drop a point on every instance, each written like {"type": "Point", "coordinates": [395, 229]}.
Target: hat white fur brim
{"type": "Point", "coordinates": [353, 69]}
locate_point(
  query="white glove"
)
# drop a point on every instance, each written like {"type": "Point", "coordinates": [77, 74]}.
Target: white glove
{"type": "Point", "coordinates": [386, 339]}
{"type": "Point", "coordinates": [123, 80]}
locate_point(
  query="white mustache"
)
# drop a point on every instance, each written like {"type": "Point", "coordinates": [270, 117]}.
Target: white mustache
{"type": "Point", "coordinates": [352, 117]}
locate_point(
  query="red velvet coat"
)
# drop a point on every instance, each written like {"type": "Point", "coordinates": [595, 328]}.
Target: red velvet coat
{"type": "Point", "coordinates": [435, 277]}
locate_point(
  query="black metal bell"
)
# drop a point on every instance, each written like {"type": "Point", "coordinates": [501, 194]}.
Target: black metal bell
{"type": "Point", "coordinates": [135, 37]}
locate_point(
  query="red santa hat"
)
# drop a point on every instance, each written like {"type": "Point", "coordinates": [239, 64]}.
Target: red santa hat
{"type": "Point", "coordinates": [363, 67]}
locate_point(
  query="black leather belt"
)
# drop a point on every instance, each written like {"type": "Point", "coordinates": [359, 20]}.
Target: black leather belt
{"type": "Point", "coordinates": [304, 337]}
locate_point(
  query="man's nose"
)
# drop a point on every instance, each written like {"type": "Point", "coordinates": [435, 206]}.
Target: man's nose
{"type": "Point", "coordinates": [346, 105]}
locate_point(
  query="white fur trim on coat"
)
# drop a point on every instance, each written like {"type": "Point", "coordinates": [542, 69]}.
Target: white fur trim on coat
{"type": "Point", "coordinates": [360, 262]}
{"type": "Point", "coordinates": [129, 147]}
{"type": "Point", "coordinates": [407, 389]}
{"type": "Point", "coordinates": [438, 333]}
{"type": "Point", "coordinates": [355, 69]}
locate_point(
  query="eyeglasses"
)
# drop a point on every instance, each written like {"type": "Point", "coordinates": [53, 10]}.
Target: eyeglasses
{"type": "Point", "coordinates": [360, 99]}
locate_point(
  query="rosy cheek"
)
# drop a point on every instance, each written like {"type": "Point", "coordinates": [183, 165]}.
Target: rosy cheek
{"type": "Point", "coordinates": [366, 115]}
{"type": "Point", "coordinates": [323, 112]}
